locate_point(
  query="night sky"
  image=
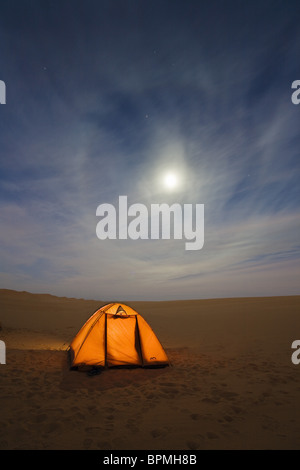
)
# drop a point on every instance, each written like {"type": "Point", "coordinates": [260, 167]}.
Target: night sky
{"type": "Point", "coordinates": [103, 98]}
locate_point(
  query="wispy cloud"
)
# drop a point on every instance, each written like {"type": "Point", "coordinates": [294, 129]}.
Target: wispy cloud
{"type": "Point", "coordinates": [99, 107]}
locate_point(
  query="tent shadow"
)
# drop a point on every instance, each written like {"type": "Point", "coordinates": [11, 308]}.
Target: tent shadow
{"type": "Point", "coordinates": [98, 379]}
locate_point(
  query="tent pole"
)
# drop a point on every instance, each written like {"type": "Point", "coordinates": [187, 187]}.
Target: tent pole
{"type": "Point", "coordinates": [139, 341]}
{"type": "Point", "coordinates": [105, 340]}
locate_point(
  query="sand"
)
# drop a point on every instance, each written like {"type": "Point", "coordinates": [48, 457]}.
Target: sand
{"type": "Point", "coordinates": [231, 384]}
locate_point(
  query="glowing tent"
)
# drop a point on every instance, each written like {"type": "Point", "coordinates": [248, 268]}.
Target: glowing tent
{"type": "Point", "coordinates": [116, 335]}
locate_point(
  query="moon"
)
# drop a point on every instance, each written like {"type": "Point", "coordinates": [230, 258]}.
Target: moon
{"type": "Point", "coordinates": [171, 180]}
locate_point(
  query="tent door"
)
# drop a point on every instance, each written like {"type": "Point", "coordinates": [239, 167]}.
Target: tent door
{"type": "Point", "coordinates": [122, 342]}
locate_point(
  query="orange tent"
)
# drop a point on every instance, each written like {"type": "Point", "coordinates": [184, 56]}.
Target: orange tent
{"type": "Point", "coordinates": [116, 335]}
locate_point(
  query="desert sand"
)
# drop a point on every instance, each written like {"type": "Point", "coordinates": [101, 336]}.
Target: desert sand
{"type": "Point", "coordinates": [231, 383]}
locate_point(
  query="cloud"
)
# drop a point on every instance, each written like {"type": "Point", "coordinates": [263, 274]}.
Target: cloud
{"type": "Point", "coordinates": [98, 107]}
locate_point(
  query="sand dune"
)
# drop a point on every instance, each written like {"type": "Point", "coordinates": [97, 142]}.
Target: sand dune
{"type": "Point", "coordinates": [231, 385]}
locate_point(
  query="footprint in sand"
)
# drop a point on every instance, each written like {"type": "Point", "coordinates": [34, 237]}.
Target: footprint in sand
{"type": "Point", "coordinates": [228, 395]}
{"type": "Point", "coordinates": [192, 445]}
{"type": "Point", "coordinates": [158, 433]}
{"type": "Point", "coordinates": [93, 431]}
{"type": "Point", "coordinates": [104, 445]}
{"type": "Point", "coordinates": [80, 416]}
{"type": "Point", "coordinates": [209, 400]}
{"type": "Point", "coordinates": [131, 425]}
{"type": "Point", "coordinates": [109, 422]}
{"type": "Point", "coordinates": [87, 443]}
{"type": "Point", "coordinates": [228, 418]}
{"type": "Point", "coordinates": [236, 409]}
{"type": "Point", "coordinates": [41, 418]}
{"type": "Point", "coordinates": [53, 427]}
{"type": "Point", "coordinates": [212, 435]}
